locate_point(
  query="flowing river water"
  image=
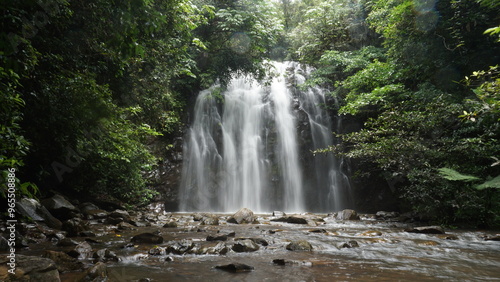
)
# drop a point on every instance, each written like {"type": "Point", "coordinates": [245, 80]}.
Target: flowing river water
{"type": "Point", "coordinates": [383, 251]}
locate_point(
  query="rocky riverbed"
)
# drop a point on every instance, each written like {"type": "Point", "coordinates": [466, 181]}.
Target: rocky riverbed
{"type": "Point", "coordinates": [66, 242]}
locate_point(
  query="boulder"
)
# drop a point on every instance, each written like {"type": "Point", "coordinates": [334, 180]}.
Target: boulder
{"type": "Point", "coordinates": [63, 261]}
{"type": "Point", "coordinates": [74, 227]}
{"type": "Point", "coordinates": [97, 272]}
{"type": "Point", "coordinates": [171, 224]}
{"type": "Point", "coordinates": [259, 241]}
{"type": "Point", "coordinates": [291, 219]}
{"type": "Point", "coordinates": [180, 247]}
{"type": "Point", "coordinates": [301, 245]}
{"type": "Point", "coordinates": [211, 248]}
{"type": "Point", "coordinates": [243, 216]}
{"type": "Point", "coordinates": [235, 267]}
{"type": "Point", "coordinates": [210, 220]}
{"type": "Point", "coordinates": [147, 238]}
{"type": "Point", "coordinates": [60, 207]}
{"type": "Point", "coordinates": [245, 245]}
{"type": "Point", "coordinates": [492, 238]}
{"type": "Point", "coordinates": [33, 209]}
{"type": "Point", "coordinates": [81, 251]}
{"type": "Point", "coordinates": [120, 214]}
{"type": "Point", "coordinates": [125, 226]}
{"type": "Point", "coordinates": [29, 268]}
{"type": "Point", "coordinates": [87, 206]}
{"type": "Point", "coordinates": [427, 230]}
{"type": "Point", "coordinates": [347, 214]}
{"type": "Point", "coordinates": [104, 255]}
{"type": "Point", "coordinates": [386, 215]}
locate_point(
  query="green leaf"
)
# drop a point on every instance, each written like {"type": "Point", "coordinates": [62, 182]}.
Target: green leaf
{"type": "Point", "coordinates": [492, 183]}
{"type": "Point", "coordinates": [454, 175]}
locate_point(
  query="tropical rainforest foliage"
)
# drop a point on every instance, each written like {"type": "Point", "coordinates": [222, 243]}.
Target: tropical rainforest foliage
{"type": "Point", "coordinates": [86, 86]}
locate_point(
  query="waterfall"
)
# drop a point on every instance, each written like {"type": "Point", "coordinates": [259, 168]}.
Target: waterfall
{"type": "Point", "coordinates": [249, 147]}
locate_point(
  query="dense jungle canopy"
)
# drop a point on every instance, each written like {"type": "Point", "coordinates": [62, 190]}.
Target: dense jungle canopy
{"type": "Point", "coordinates": [87, 86]}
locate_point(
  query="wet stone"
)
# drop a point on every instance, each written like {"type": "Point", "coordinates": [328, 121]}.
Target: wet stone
{"type": "Point", "coordinates": [235, 267]}
{"type": "Point", "coordinates": [243, 216]}
{"type": "Point", "coordinates": [301, 245]}
{"type": "Point", "coordinates": [217, 238]}
{"type": "Point", "coordinates": [147, 238]}
{"type": "Point", "coordinates": [81, 251]}
{"type": "Point", "coordinates": [350, 244]}
{"type": "Point", "coordinates": [492, 238]}
{"type": "Point", "coordinates": [291, 219]}
{"type": "Point", "coordinates": [245, 245]}
{"type": "Point", "coordinates": [171, 224]}
{"type": "Point", "coordinates": [426, 230]}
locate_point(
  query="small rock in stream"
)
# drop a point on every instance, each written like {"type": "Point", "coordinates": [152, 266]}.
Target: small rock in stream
{"type": "Point", "coordinates": [245, 246]}
{"type": "Point", "coordinates": [171, 224]}
{"type": "Point", "coordinates": [291, 219]}
{"type": "Point", "coordinates": [426, 230]}
{"type": "Point", "coordinates": [217, 238]}
{"type": "Point", "coordinates": [235, 267]}
{"type": "Point", "coordinates": [492, 238]}
{"type": "Point", "coordinates": [350, 244]}
{"type": "Point", "coordinates": [347, 214]}
{"type": "Point", "coordinates": [147, 238]}
{"type": "Point", "coordinates": [301, 245]}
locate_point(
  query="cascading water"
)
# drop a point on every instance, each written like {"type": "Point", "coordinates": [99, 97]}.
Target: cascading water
{"type": "Point", "coordinates": [245, 149]}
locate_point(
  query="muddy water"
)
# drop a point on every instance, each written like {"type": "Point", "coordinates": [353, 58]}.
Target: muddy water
{"type": "Point", "coordinates": [385, 253]}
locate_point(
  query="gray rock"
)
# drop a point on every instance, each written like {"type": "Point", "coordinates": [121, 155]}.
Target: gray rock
{"type": "Point", "coordinates": [123, 214]}
{"type": "Point", "coordinates": [492, 238]}
{"type": "Point", "coordinates": [245, 245]}
{"type": "Point", "coordinates": [33, 209]}
{"type": "Point", "coordinates": [147, 238]}
{"type": "Point", "coordinates": [60, 207]}
{"type": "Point", "coordinates": [125, 226]}
{"type": "Point", "coordinates": [301, 245]}
{"type": "Point", "coordinates": [81, 251]}
{"type": "Point", "coordinates": [74, 227]}
{"type": "Point", "coordinates": [210, 220]}
{"type": "Point", "coordinates": [105, 255]}
{"type": "Point", "coordinates": [171, 224]}
{"type": "Point", "coordinates": [29, 268]}
{"type": "Point", "coordinates": [427, 230]}
{"type": "Point", "coordinates": [180, 247]}
{"type": "Point", "coordinates": [386, 215]}
{"type": "Point", "coordinates": [243, 216]}
{"type": "Point", "coordinates": [347, 214]}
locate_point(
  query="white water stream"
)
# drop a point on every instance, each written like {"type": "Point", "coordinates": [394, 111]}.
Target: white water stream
{"type": "Point", "coordinates": [243, 149]}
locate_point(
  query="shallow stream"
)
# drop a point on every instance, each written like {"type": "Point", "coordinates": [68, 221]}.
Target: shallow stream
{"type": "Point", "coordinates": [385, 252]}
